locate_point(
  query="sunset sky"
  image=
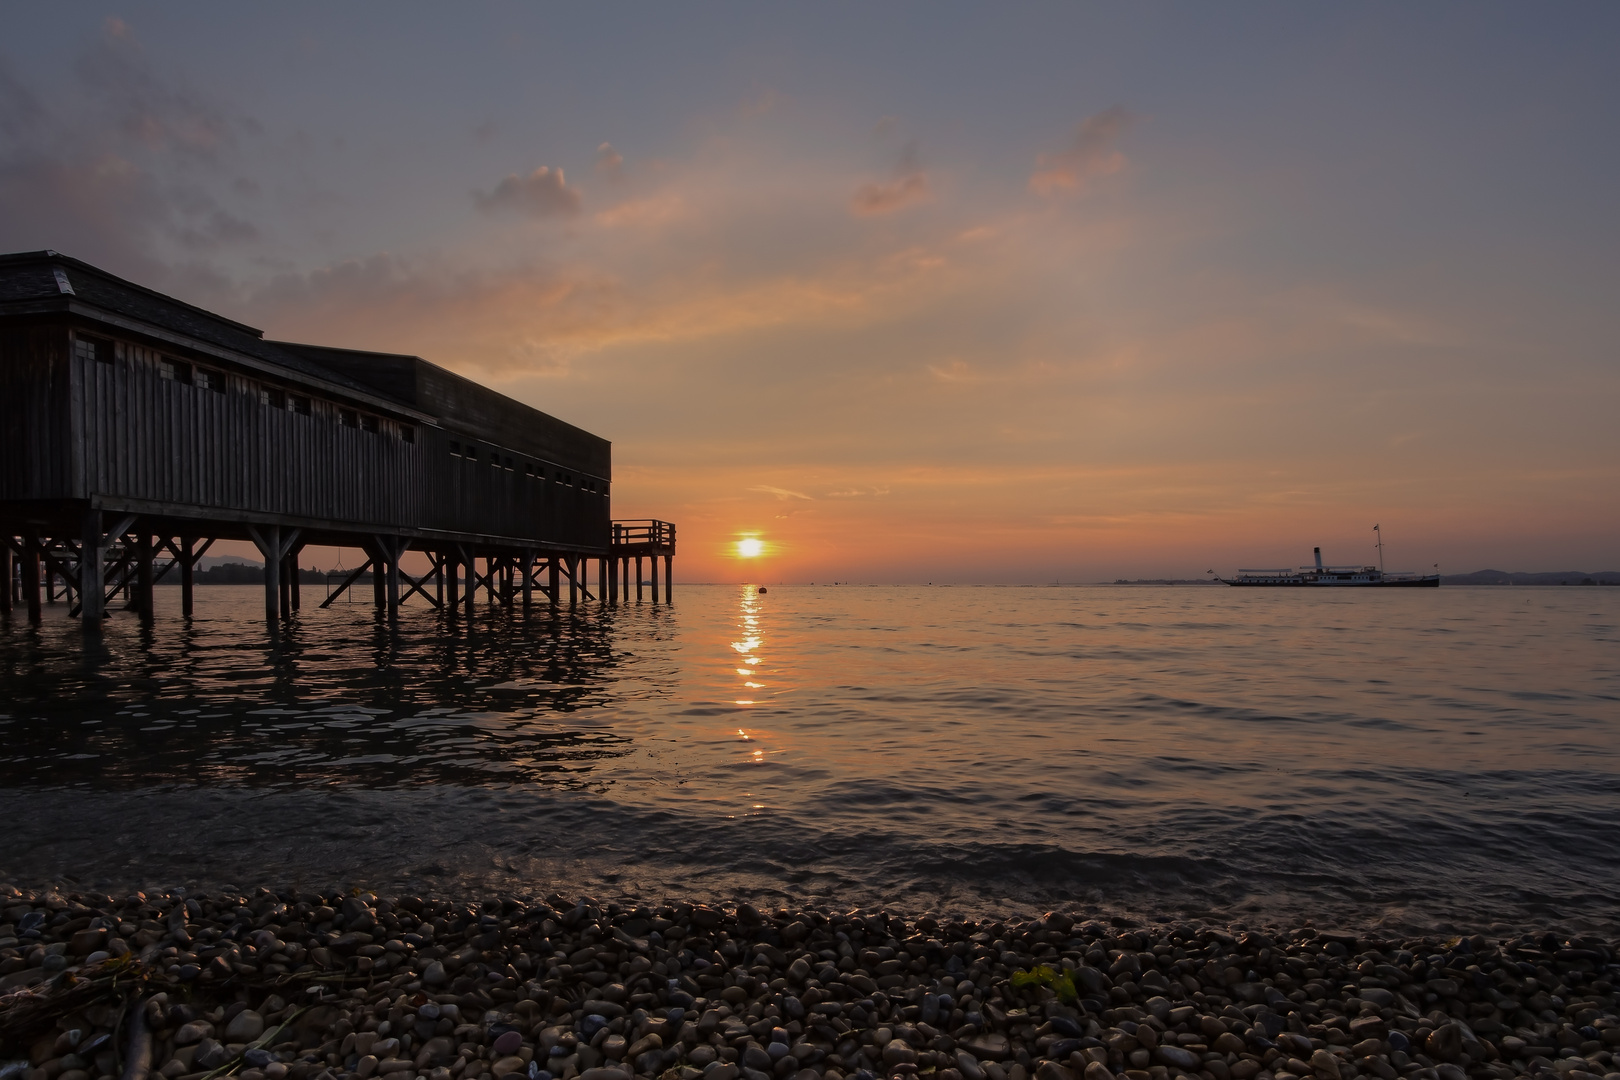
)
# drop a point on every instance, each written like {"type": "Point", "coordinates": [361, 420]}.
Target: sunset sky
{"type": "Point", "coordinates": [912, 292]}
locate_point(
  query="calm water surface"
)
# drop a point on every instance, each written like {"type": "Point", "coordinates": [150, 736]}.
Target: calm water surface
{"type": "Point", "coordinates": [1412, 759]}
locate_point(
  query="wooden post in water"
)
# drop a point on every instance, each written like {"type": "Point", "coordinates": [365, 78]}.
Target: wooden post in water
{"type": "Point", "coordinates": [186, 575]}
{"type": "Point", "coordinates": [601, 581]}
{"type": "Point", "coordinates": [625, 568]}
{"type": "Point", "coordinates": [528, 578]}
{"type": "Point", "coordinates": [669, 579]}
{"type": "Point", "coordinates": [639, 574]}
{"type": "Point", "coordinates": [8, 570]}
{"type": "Point", "coordinates": [92, 550]}
{"type": "Point", "coordinates": [555, 578]}
{"type": "Point", "coordinates": [30, 578]}
{"type": "Point", "coordinates": [271, 550]}
{"type": "Point", "coordinates": [654, 568]}
{"type": "Point", "coordinates": [394, 546]}
{"type": "Point", "coordinates": [452, 583]}
{"type": "Point", "coordinates": [470, 569]}
{"type": "Point", "coordinates": [294, 593]}
{"type": "Point", "coordinates": [142, 601]}
{"type": "Point", "coordinates": [573, 580]}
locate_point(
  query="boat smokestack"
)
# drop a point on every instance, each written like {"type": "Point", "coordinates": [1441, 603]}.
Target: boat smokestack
{"type": "Point", "coordinates": [1319, 558]}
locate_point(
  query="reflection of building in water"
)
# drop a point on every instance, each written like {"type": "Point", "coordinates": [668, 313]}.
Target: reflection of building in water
{"type": "Point", "coordinates": [137, 430]}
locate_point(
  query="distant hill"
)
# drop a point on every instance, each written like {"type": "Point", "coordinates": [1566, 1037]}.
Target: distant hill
{"type": "Point", "coordinates": [235, 573]}
{"type": "Point", "coordinates": [1560, 577]}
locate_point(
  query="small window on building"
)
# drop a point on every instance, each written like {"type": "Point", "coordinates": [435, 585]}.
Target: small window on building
{"type": "Point", "coordinates": [298, 403]}
{"type": "Point", "coordinates": [508, 464]}
{"type": "Point", "coordinates": [348, 418]}
{"type": "Point", "coordinates": [455, 448]}
{"type": "Point", "coordinates": [86, 347]}
{"type": "Point", "coordinates": [471, 453]}
{"type": "Point", "coordinates": [211, 380]}
{"type": "Point", "coordinates": [407, 433]}
{"type": "Point", "coordinates": [368, 423]}
{"type": "Point", "coordinates": [174, 370]}
{"type": "Point", "coordinates": [276, 399]}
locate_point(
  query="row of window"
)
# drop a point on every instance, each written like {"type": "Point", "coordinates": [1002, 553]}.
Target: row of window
{"type": "Point", "coordinates": [530, 470]}
{"type": "Point", "coordinates": [174, 369]}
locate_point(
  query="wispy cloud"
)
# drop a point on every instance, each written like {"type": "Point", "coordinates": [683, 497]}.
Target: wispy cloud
{"type": "Point", "coordinates": [542, 193]}
{"type": "Point", "coordinates": [1091, 153]}
{"type": "Point", "coordinates": [781, 493]}
{"type": "Point", "coordinates": [909, 185]}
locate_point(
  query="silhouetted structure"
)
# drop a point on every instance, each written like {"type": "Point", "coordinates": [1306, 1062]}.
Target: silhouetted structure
{"type": "Point", "coordinates": [135, 430]}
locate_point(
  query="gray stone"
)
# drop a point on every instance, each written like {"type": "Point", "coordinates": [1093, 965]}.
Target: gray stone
{"type": "Point", "coordinates": [1177, 1058]}
{"type": "Point", "coordinates": [244, 1027]}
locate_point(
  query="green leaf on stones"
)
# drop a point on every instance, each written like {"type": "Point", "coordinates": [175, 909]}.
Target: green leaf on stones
{"type": "Point", "coordinates": [1041, 975]}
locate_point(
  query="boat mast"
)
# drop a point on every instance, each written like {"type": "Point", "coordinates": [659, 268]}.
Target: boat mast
{"type": "Point", "coordinates": [1380, 546]}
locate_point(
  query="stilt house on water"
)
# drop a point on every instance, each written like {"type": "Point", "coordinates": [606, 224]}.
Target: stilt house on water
{"type": "Point", "coordinates": [135, 430]}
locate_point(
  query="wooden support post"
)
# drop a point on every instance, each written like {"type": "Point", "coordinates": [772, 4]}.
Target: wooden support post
{"type": "Point", "coordinates": [273, 543]}
{"type": "Point", "coordinates": [379, 579]}
{"type": "Point", "coordinates": [610, 583]}
{"type": "Point", "coordinates": [50, 584]}
{"type": "Point", "coordinates": [187, 582]}
{"type": "Point", "coordinates": [528, 579]}
{"type": "Point", "coordinates": [573, 580]}
{"type": "Point", "coordinates": [626, 569]}
{"type": "Point", "coordinates": [271, 550]}
{"type": "Point", "coordinates": [468, 561]}
{"type": "Point", "coordinates": [556, 580]}
{"type": "Point", "coordinates": [452, 582]}
{"type": "Point", "coordinates": [293, 591]}
{"type": "Point", "coordinates": [440, 562]}
{"type": "Point", "coordinates": [640, 572]}
{"type": "Point", "coordinates": [394, 552]}
{"type": "Point", "coordinates": [601, 580]}
{"type": "Point", "coordinates": [653, 560]}
{"type": "Point", "coordinates": [669, 579]}
{"type": "Point", "coordinates": [30, 578]}
{"type": "Point", "coordinates": [92, 553]}
{"type": "Point", "coordinates": [142, 601]}
{"type": "Point", "coordinates": [8, 570]}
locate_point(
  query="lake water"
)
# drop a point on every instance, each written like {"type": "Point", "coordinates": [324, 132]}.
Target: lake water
{"type": "Point", "coordinates": [1411, 759]}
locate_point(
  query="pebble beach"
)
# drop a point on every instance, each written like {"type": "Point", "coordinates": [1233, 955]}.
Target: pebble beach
{"type": "Point", "coordinates": [289, 985]}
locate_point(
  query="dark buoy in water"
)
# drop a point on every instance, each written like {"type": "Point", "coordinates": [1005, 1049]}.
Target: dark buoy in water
{"type": "Point", "coordinates": [762, 590]}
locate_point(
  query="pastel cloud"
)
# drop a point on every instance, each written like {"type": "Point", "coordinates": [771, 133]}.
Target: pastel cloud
{"type": "Point", "coordinates": [1091, 153]}
{"type": "Point", "coordinates": [909, 185]}
{"type": "Point", "coordinates": [542, 193]}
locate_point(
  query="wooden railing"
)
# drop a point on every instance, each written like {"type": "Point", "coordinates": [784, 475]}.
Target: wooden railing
{"type": "Point", "coordinates": [645, 533]}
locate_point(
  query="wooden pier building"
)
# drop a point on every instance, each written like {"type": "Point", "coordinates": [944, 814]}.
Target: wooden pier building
{"type": "Point", "coordinates": [136, 430]}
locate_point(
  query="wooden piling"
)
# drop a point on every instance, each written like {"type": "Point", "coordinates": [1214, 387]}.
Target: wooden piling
{"type": "Point", "coordinates": [654, 568]}
{"type": "Point", "coordinates": [92, 584]}
{"type": "Point", "coordinates": [639, 574]}
{"type": "Point", "coordinates": [187, 582]}
{"type": "Point", "coordinates": [142, 601]}
{"type": "Point", "coordinates": [8, 571]}
{"type": "Point", "coordinates": [271, 550]}
{"type": "Point", "coordinates": [669, 579]}
{"type": "Point", "coordinates": [30, 579]}
{"type": "Point", "coordinates": [469, 568]}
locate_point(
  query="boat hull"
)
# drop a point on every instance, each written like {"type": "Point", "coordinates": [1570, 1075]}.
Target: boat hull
{"type": "Point", "coordinates": [1428, 581]}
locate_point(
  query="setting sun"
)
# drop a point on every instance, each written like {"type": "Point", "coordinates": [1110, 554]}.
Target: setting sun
{"type": "Point", "coordinates": [750, 548]}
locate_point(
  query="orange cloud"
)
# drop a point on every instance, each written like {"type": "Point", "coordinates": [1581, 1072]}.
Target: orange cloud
{"type": "Point", "coordinates": [1090, 154]}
